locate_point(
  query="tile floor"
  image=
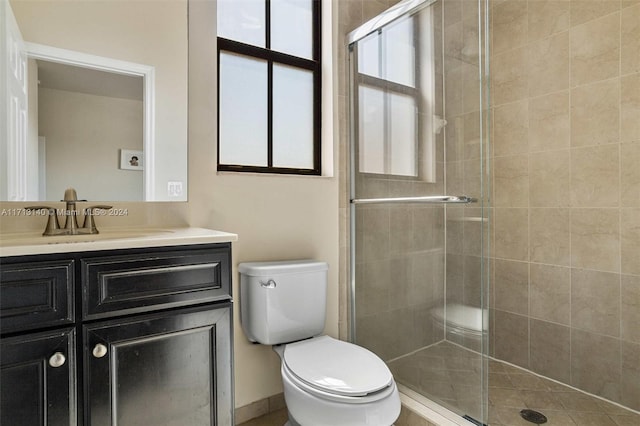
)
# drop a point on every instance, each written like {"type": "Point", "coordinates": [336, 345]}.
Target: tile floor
{"type": "Point", "coordinates": [276, 418]}
{"type": "Point", "coordinates": [451, 375]}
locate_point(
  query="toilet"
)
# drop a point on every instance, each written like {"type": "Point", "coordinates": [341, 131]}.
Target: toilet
{"type": "Point", "coordinates": [327, 382]}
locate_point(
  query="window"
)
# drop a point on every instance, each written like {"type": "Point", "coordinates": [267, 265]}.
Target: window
{"type": "Point", "coordinates": [395, 83]}
{"type": "Point", "coordinates": [269, 80]}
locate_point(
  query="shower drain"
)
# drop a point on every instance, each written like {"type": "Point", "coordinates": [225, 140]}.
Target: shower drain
{"type": "Point", "coordinates": [533, 416]}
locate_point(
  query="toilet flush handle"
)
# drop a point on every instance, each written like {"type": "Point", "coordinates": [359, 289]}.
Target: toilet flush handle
{"type": "Point", "coordinates": [269, 284]}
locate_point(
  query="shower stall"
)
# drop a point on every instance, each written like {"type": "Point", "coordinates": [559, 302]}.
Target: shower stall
{"type": "Point", "coordinates": [419, 203]}
{"type": "Point", "coordinates": [498, 277]}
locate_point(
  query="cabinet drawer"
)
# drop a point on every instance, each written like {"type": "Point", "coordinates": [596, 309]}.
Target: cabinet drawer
{"type": "Point", "coordinates": [116, 285]}
{"type": "Point", "coordinates": [36, 295]}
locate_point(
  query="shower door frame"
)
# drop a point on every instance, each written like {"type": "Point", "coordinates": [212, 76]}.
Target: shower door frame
{"type": "Point", "coordinates": [396, 12]}
{"type": "Point", "coordinates": [392, 14]}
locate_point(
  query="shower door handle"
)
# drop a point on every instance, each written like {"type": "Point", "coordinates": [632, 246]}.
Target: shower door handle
{"type": "Point", "coordinates": [438, 199]}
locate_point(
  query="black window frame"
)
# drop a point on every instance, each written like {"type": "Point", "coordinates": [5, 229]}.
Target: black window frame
{"type": "Point", "coordinates": [275, 57]}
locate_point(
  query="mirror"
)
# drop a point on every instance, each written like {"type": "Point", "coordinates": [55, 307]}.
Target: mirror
{"type": "Point", "coordinates": [105, 100]}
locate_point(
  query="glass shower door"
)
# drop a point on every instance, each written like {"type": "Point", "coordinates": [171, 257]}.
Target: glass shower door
{"type": "Point", "coordinates": [418, 211]}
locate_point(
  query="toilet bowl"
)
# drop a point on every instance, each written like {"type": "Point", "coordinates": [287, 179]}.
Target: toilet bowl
{"type": "Point", "coordinates": [331, 382]}
{"type": "Point", "coordinates": [327, 382]}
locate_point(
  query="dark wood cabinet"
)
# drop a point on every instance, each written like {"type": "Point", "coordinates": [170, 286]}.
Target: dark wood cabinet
{"type": "Point", "coordinates": [129, 337]}
{"type": "Point", "coordinates": [34, 295]}
{"type": "Point", "coordinates": [173, 363]}
{"type": "Point", "coordinates": [37, 379]}
{"type": "Point", "coordinates": [142, 282]}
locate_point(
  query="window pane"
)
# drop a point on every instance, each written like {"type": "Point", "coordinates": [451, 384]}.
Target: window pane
{"type": "Point", "coordinates": [371, 130]}
{"type": "Point", "coordinates": [292, 117]}
{"type": "Point", "coordinates": [403, 135]}
{"type": "Point", "coordinates": [243, 110]}
{"type": "Point", "coordinates": [369, 55]}
{"type": "Point", "coordinates": [291, 27]}
{"type": "Point", "coordinates": [242, 20]}
{"type": "Point", "coordinates": [399, 58]}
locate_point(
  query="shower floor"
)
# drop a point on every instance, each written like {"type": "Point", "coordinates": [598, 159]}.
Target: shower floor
{"type": "Point", "coordinates": [451, 376]}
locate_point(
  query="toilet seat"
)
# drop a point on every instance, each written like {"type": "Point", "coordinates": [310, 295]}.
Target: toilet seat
{"type": "Point", "coordinates": [337, 370]}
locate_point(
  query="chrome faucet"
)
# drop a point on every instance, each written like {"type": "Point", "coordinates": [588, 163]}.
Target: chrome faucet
{"type": "Point", "coordinates": [71, 217]}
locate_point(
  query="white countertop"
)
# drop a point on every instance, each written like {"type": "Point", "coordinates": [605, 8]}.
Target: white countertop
{"type": "Point", "coordinates": [22, 244]}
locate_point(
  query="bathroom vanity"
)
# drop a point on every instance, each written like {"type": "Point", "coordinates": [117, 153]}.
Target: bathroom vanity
{"type": "Point", "coordinates": [131, 331]}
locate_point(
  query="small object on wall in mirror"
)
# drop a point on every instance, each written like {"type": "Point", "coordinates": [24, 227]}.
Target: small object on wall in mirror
{"type": "Point", "coordinates": [131, 160]}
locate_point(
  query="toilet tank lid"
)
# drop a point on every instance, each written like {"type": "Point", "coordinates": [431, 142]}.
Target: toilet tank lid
{"type": "Point", "coordinates": [259, 269]}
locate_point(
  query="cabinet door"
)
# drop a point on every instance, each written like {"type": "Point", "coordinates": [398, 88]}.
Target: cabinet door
{"type": "Point", "coordinates": [37, 377]}
{"type": "Point", "coordinates": [164, 369]}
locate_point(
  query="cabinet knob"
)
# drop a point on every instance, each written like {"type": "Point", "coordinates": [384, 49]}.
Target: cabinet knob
{"type": "Point", "coordinates": [57, 360]}
{"type": "Point", "coordinates": [99, 350]}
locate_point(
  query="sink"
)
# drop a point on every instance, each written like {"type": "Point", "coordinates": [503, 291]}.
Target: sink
{"type": "Point", "coordinates": [36, 238]}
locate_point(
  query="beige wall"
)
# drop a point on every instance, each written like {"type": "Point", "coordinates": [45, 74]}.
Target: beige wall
{"type": "Point", "coordinates": [566, 144]}
{"type": "Point", "coordinates": [87, 157]}
{"type": "Point", "coordinates": [152, 33]}
{"type": "Point", "coordinates": [275, 216]}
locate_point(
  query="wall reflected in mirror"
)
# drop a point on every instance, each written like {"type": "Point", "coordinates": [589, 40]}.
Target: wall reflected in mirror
{"type": "Point", "coordinates": [84, 119]}
{"type": "Point", "coordinates": [79, 119]}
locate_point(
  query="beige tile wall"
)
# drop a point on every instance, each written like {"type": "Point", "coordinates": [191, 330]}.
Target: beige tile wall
{"type": "Point", "coordinates": [400, 255]}
{"type": "Point", "coordinates": [399, 272]}
{"type": "Point", "coordinates": [566, 146]}
{"type": "Point", "coordinates": [350, 15]}
{"type": "Point", "coordinates": [465, 228]}
{"type": "Point", "coordinates": [566, 217]}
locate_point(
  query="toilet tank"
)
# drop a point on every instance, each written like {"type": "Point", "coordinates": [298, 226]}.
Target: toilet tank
{"type": "Point", "coordinates": [282, 302]}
